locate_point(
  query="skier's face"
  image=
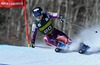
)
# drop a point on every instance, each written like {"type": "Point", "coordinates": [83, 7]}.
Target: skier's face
{"type": "Point", "coordinates": [39, 18]}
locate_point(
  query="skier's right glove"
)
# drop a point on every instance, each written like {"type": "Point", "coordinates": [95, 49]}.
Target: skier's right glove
{"type": "Point", "coordinates": [32, 44]}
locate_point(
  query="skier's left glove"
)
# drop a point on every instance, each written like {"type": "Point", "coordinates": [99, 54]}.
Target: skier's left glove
{"type": "Point", "coordinates": [32, 44]}
{"type": "Point", "coordinates": [61, 18]}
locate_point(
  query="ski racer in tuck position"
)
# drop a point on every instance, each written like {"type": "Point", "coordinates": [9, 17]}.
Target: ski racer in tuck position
{"type": "Point", "coordinates": [52, 36]}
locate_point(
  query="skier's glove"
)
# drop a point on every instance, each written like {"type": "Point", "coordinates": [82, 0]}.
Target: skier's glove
{"type": "Point", "coordinates": [61, 18]}
{"type": "Point", "coordinates": [32, 44]}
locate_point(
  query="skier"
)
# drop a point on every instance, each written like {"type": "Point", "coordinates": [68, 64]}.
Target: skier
{"type": "Point", "coordinates": [44, 25]}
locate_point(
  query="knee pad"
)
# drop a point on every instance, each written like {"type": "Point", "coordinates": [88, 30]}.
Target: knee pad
{"type": "Point", "coordinates": [63, 39]}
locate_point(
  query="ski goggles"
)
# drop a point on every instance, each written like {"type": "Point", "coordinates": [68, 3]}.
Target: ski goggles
{"type": "Point", "coordinates": [36, 14]}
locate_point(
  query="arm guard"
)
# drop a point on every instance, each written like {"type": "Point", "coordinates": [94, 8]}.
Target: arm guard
{"type": "Point", "coordinates": [34, 32]}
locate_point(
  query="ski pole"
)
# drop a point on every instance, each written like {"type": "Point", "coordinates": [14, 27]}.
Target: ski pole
{"type": "Point", "coordinates": [63, 20]}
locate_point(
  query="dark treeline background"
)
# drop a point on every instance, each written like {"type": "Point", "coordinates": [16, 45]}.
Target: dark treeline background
{"type": "Point", "coordinates": [78, 13]}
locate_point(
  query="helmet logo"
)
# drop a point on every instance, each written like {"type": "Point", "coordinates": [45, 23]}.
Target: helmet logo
{"type": "Point", "coordinates": [36, 9]}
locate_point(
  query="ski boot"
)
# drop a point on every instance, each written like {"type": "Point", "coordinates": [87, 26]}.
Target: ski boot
{"type": "Point", "coordinates": [58, 50]}
{"type": "Point", "coordinates": [83, 48]}
{"type": "Point", "coordinates": [60, 47]}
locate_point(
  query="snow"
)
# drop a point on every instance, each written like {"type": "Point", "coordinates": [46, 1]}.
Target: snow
{"type": "Point", "coordinates": [14, 55]}
{"type": "Point", "coordinates": [18, 55]}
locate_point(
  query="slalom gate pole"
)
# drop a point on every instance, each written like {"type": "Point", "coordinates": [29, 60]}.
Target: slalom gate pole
{"type": "Point", "coordinates": [26, 24]}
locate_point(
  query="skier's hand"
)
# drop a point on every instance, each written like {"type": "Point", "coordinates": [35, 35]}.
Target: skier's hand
{"type": "Point", "coordinates": [61, 19]}
{"type": "Point", "coordinates": [32, 44]}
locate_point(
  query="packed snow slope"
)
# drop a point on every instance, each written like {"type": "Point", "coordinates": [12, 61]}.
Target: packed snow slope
{"type": "Point", "coordinates": [13, 55]}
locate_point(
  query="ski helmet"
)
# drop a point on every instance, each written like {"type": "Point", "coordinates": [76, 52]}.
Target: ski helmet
{"type": "Point", "coordinates": [37, 11]}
